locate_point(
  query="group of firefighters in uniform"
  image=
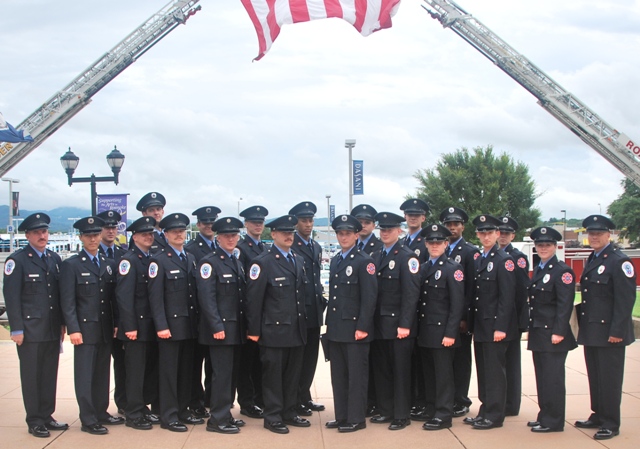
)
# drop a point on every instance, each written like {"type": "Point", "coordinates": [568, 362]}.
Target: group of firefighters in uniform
{"type": "Point", "coordinates": [402, 315]}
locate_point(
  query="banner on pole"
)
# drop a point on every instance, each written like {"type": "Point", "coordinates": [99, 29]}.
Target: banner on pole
{"type": "Point", "coordinates": [332, 213]}
{"type": "Point", "coordinates": [15, 203]}
{"type": "Point", "coordinates": [118, 203]}
{"type": "Point", "coordinates": [358, 178]}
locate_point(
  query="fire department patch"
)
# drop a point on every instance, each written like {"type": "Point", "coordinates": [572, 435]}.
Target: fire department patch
{"type": "Point", "coordinates": [9, 267]}
{"type": "Point", "coordinates": [627, 267]}
{"type": "Point", "coordinates": [371, 269]}
{"type": "Point", "coordinates": [458, 275]}
{"type": "Point", "coordinates": [414, 265]}
{"type": "Point", "coordinates": [124, 267]}
{"type": "Point", "coordinates": [254, 272]}
{"type": "Point", "coordinates": [567, 278]}
{"type": "Point", "coordinates": [522, 263]}
{"type": "Point", "coordinates": [205, 271]}
{"type": "Point", "coordinates": [476, 255]}
{"type": "Point", "coordinates": [509, 265]}
{"type": "Point", "coordinates": [153, 270]}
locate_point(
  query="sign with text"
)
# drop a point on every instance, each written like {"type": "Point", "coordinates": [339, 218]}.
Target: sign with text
{"type": "Point", "coordinates": [358, 178]}
{"type": "Point", "coordinates": [118, 203]}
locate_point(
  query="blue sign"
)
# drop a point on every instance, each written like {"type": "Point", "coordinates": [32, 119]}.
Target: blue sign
{"type": "Point", "coordinates": [358, 178]}
{"type": "Point", "coordinates": [332, 213]}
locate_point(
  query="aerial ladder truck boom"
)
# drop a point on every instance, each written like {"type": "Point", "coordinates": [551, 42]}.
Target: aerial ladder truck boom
{"type": "Point", "coordinates": [67, 102]}
{"type": "Point", "coordinates": [613, 145]}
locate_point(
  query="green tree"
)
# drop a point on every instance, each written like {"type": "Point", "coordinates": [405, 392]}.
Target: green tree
{"type": "Point", "coordinates": [480, 182]}
{"type": "Point", "coordinates": [625, 211]}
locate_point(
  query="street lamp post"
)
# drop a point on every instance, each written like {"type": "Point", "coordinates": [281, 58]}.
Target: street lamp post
{"type": "Point", "coordinates": [328, 224]}
{"type": "Point", "coordinates": [10, 229]}
{"type": "Point", "coordinates": [70, 162]}
{"type": "Point", "coordinates": [239, 206]}
{"type": "Point", "coordinates": [350, 143]}
{"type": "Point", "coordinates": [564, 225]}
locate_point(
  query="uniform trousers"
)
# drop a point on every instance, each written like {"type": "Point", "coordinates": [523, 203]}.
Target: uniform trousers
{"type": "Point", "coordinates": [92, 366]}
{"type": "Point", "coordinates": [392, 376]}
{"type": "Point", "coordinates": [491, 363]}
{"type": "Point", "coordinates": [418, 393]}
{"type": "Point", "coordinates": [309, 363]}
{"type": "Point", "coordinates": [199, 393]}
{"type": "Point", "coordinates": [38, 376]}
{"type": "Point", "coordinates": [138, 355]}
{"type": "Point", "coordinates": [225, 360]}
{"type": "Point", "coordinates": [605, 369]}
{"type": "Point", "coordinates": [437, 365]}
{"type": "Point", "coordinates": [249, 379]}
{"type": "Point", "coordinates": [119, 374]}
{"type": "Point", "coordinates": [550, 383]}
{"type": "Point", "coordinates": [280, 378]}
{"type": "Point", "coordinates": [349, 380]}
{"type": "Point", "coordinates": [462, 370]}
{"type": "Point", "coordinates": [176, 366]}
{"type": "Point", "coordinates": [514, 377]}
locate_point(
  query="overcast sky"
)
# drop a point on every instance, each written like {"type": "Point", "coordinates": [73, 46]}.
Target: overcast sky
{"type": "Point", "coordinates": [203, 124]}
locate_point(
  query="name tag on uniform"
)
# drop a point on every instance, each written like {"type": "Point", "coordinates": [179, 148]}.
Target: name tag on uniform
{"type": "Point", "coordinates": [280, 279]}
{"type": "Point", "coordinates": [34, 275]}
{"type": "Point", "coordinates": [85, 274]}
{"type": "Point", "coordinates": [227, 275]}
{"type": "Point", "coordinates": [174, 271]}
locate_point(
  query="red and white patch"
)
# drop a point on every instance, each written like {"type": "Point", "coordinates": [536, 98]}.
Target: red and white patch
{"type": "Point", "coordinates": [522, 263]}
{"type": "Point", "coordinates": [458, 275]}
{"type": "Point", "coordinates": [371, 269]}
{"type": "Point", "coordinates": [124, 267]}
{"type": "Point", "coordinates": [509, 265]}
{"type": "Point", "coordinates": [476, 255]}
{"type": "Point", "coordinates": [567, 278]}
{"type": "Point", "coordinates": [9, 267]}
{"type": "Point", "coordinates": [414, 265]}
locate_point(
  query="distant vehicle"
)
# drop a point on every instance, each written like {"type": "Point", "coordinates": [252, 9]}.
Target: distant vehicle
{"type": "Point", "coordinates": [324, 279]}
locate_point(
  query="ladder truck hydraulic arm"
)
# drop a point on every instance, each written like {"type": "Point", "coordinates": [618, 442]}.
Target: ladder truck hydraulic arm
{"type": "Point", "coordinates": [614, 146]}
{"type": "Point", "coordinates": [67, 102]}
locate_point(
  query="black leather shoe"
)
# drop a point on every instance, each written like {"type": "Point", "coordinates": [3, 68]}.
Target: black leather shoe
{"type": "Point", "coordinates": [189, 419]}
{"type": "Point", "coordinates": [112, 421]}
{"type": "Point", "coordinates": [471, 421]}
{"type": "Point", "coordinates": [436, 424]}
{"type": "Point", "coordinates": [227, 428]}
{"type": "Point", "coordinates": [352, 426]}
{"type": "Point", "coordinates": [199, 412]}
{"type": "Point", "coordinates": [152, 418]}
{"type": "Point", "coordinates": [605, 434]}
{"type": "Point", "coordinates": [302, 410]}
{"type": "Point", "coordinates": [420, 416]}
{"type": "Point", "coordinates": [486, 424]}
{"type": "Point", "coordinates": [236, 422]}
{"type": "Point", "coordinates": [139, 424]}
{"type": "Point", "coordinates": [460, 410]}
{"type": "Point", "coordinates": [39, 431]}
{"type": "Point", "coordinates": [379, 419]}
{"type": "Point", "coordinates": [55, 425]}
{"type": "Point", "coordinates": [334, 424]}
{"type": "Point", "coordinates": [95, 429]}
{"type": "Point", "coordinates": [542, 429]}
{"type": "Point", "coordinates": [276, 427]}
{"type": "Point", "coordinates": [399, 424]}
{"type": "Point", "coordinates": [296, 421]}
{"type": "Point", "coordinates": [587, 424]}
{"type": "Point", "coordinates": [175, 426]}
{"type": "Point", "coordinates": [371, 410]}
{"type": "Point", "coordinates": [252, 412]}
{"type": "Point", "coordinates": [314, 406]}
{"type": "Point", "coordinates": [533, 423]}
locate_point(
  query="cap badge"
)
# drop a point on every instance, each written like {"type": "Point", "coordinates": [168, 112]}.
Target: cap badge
{"type": "Point", "coordinates": [90, 221]}
{"type": "Point", "coordinates": [434, 227]}
{"type": "Point", "coordinates": [228, 220]}
{"type": "Point", "coordinates": [505, 220]}
{"type": "Point", "coordinates": [364, 207]}
{"type": "Point", "coordinates": [483, 218]}
{"type": "Point", "coordinates": [451, 210]}
{"type": "Point", "coordinates": [344, 218]}
{"type": "Point", "coordinates": [38, 216]}
{"type": "Point", "coordinates": [110, 213]}
{"type": "Point", "coordinates": [153, 195]}
{"type": "Point", "coordinates": [257, 208]}
{"type": "Point", "coordinates": [543, 231]}
{"type": "Point", "coordinates": [208, 209]}
{"type": "Point", "coordinates": [289, 218]}
{"type": "Point", "coordinates": [384, 215]}
{"type": "Point", "coordinates": [595, 218]}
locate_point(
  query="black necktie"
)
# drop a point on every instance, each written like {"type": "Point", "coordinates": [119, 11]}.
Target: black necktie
{"type": "Point", "coordinates": [183, 258]}
{"type": "Point", "coordinates": [310, 246]}
{"type": "Point", "coordinates": [95, 262]}
{"type": "Point", "coordinates": [290, 259]}
{"type": "Point", "coordinates": [110, 253]}
{"type": "Point", "coordinates": [44, 258]}
{"type": "Point", "coordinates": [360, 245]}
{"type": "Point", "coordinates": [383, 255]}
{"type": "Point", "coordinates": [408, 241]}
{"type": "Point", "coordinates": [340, 259]}
{"type": "Point", "coordinates": [261, 246]}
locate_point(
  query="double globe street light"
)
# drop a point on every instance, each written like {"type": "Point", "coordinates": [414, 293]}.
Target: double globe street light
{"type": "Point", "coordinates": [70, 162]}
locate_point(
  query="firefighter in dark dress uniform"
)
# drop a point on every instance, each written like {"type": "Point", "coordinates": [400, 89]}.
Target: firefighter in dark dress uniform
{"type": "Point", "coordinates": [33, 306]}
{"type": "Point", "coordinates": [367, 241]}
{"type": "Point", "coordinates": [608, 286]}
{"type": "Point", "coordinates": [172, 294]}
{"type": "Point", "coordinates": [152, 205]}
{"type": "Point", "coordinates": [221, 295]}
{"type": "Point", "coordinates": [494, 324]}
{"type": "Point", "coordinates": [135, 327]}
{"type": "Point", "coordinates": [508, 230]}
{"type": "Point", "coordinates": [395, 323]}
{"type": "Point", "coordinates": [551, 295]}
{"type": "Point", "coordinates": [352, 301]}
{"type": "Point", "coordinates": [87, 296]}
{"type": "Point", "coordinates": [440, 310]}
{"type": "Point", "coordinates": [311, 253]}
{"type": "Point", "coordinates": [464, 253]}
{"type": "Point", "coordinates": [249, 378]}
{"type": "Point", "coordinates": [110, 250]}
{"type": "Point", "coordinates": [201, 246]}
{"type": "Point", "coordinates": [276, 320]}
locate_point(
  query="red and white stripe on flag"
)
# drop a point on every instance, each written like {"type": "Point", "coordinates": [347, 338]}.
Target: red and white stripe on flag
{"type": "Point", "coordinates": [268, 16]}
